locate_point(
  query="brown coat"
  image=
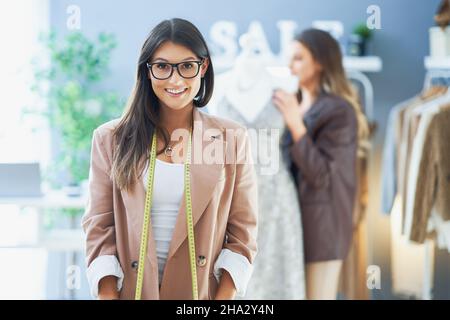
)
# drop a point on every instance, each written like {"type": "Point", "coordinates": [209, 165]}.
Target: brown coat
{"type": "Point", "coordinates": [433, 181]}
{"type": "Point", "coordinates": [324, 167]}
{"type": "Point", "coordinates": [224, 201]}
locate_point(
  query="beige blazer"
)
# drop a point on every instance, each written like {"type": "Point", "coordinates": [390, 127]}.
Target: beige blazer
{"type": "Point", "coordinates": [224, 203]}
{"type": "Point", "coordinates": [433, 180]}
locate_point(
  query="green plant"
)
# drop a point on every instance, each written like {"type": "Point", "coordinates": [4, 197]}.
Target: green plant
{"type": "Point", "coordinates": [363, 31]}
{"type": "Point", "coordinates": [76, 103]}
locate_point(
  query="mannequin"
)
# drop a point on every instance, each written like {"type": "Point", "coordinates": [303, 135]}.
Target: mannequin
{"type": "Point", "coordinates": [243, 94]}
{"type": "Point", "coordinates": [250, 82]}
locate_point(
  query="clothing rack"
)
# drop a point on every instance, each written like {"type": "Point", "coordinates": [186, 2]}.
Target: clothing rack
{"type": "Point", "coordinates": [356, 69]}
{"type": "Point", "coordinates": [368, 91]}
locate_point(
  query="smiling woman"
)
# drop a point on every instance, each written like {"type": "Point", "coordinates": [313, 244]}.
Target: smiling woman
{"type": "Point", "coordinates": [190, 226]}
{"type": "Point", "coordinates": [183, 84]}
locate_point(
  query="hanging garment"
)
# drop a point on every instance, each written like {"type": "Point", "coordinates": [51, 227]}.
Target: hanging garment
{"type": "Point", "coordinates": [423, 116]}
{"type": "Point", "coordinates": [412, 265]}
{"type": "Point", "coordinates": [353, 275]}
{"type": "Point", "coordinates": [279, 269]}
{"type": "Point", "coordinates": [409, 125]}
{"type": "Point", "coordinates": [441, 229]}
{"type": "Point", "coordinates": [409, 139]}
{"type": "Point", "coordinates": [433, 181]}
{"type": "Point", "coordinates": [392, 161]}
{"type": "Point", "coordinates": [389, 168]}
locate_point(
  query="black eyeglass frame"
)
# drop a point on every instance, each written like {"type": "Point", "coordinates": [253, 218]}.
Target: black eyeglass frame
{"type": "Point", "coordinates": [175, 65]}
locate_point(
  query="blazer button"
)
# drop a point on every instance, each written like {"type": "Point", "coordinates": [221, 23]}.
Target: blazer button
{"type": "Point", "coordinates": [201, 261]}
{"type": "Point", "coordinates": [134, 264]}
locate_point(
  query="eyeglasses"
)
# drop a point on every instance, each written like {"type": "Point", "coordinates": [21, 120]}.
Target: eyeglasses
{"type": "Point", "coordinates": [164, 70]}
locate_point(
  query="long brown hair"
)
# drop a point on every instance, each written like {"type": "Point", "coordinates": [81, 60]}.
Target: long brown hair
{"type": "Point", "coordinates": [326, 51]}
{"type": "Point", "coordinates": [132, 136]}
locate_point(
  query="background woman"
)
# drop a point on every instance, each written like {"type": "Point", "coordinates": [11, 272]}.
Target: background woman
{"type": "Point", "coordinates": [325, 126]}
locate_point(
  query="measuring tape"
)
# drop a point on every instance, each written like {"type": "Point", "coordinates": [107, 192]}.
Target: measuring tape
{"type": "Point", "coordinates": [147, 223]}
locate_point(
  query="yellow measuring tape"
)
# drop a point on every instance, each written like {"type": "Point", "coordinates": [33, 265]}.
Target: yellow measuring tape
{"type": "Point", "coordinates": [147, 223]}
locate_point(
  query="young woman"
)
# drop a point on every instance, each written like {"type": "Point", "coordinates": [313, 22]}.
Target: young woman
{"type": "Point", "coordinates": [325, 126]}
{"type": "Point", "coordinates": [172, 210]}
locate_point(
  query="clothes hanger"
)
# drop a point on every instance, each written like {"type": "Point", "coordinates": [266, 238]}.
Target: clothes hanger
{"type": "Point", "coordinates": [434, 104]}
{"type": "Point", "coordinates": [435, 85]}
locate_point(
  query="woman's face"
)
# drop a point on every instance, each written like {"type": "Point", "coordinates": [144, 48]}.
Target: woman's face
{"type": "Point", "coordinates": [176, 92]}
{"type": "Point", "coordinates": [303, 65]}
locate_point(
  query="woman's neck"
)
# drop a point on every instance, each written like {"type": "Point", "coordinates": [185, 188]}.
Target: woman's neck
{"type": "Point", "coordinates": [308, 97]}
{"type": "Point", "coordinates": [310, 92]}
{"type": "Point", "coordinates": [172, 119]}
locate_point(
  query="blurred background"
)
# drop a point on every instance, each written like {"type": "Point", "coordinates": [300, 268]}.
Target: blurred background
{"type": "Point", "coordinates": [68, 66]}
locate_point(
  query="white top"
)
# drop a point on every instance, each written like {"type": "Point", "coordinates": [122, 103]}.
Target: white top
{"type": "Point", "coordinates": [168, 188]}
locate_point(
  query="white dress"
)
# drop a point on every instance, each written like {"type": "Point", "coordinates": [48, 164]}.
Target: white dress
{"type": "Point", "coordinates": [279, 265]}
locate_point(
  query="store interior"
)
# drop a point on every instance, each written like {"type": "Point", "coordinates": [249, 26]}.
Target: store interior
{"type": "Point", "coordinates": [44, 169]}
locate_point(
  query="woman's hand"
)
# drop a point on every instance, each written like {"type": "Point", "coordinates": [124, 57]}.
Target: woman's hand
{"type": "Point", "coordinates": [226, 289]}
{"type": "Point", "coordinates": [107, 288]}
{"type": "Point", "coordinates": [292, 113]}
